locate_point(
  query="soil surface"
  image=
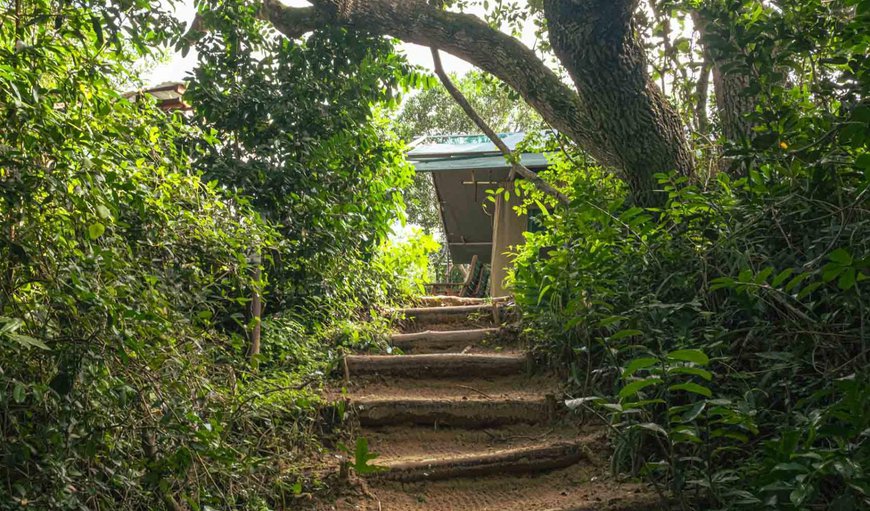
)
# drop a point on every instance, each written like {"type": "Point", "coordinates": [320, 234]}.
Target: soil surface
{"type": "Point", "coordinates": [477, 438]}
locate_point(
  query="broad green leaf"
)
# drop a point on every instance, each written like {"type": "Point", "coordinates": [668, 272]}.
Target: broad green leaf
{"type": "Point", "coordinates": [26, 340]}
{"type": "Point", "coordinates": [847, 279]}
{"type": "Point", "coordinates": [797, 279]}
{"type": "Point", "coordinates": [841, 256]}
{"type": "Point", "coordinates": [762, 276]}
{"type": "Point", "coordinates": [18, 392]}
{"type": "Point", "coordinates": [694, 371]}
{"type": "Point", "coordinates": [622, 334]}
{"type": "Point", "coordinates": [610, 320]}
{"type": "Point", "coordinates": [780, 278]}
{"type": "Point", "coordinates": [807, 290]}
{"type": "Point", "coordinates": [636, 364]}
{"type": "Point", "coordinates": [694, 412]}
{"type": "Point", "coordinates": [9, 324]}
{"type": "Point", "coordinates": [577, 402]}
{"type": "Point", "coordinates": [651, 426]}
{"type": "Point", "coordinates": [95, 230]}
{"type": "Point", "coordinates": [692, 387]}
{"type": "Point", "coordinates": [636, 386]}
{"type": "Point", "coordinates": [362, 456]}
{"type": "Point", "coordinates": [690, 355]}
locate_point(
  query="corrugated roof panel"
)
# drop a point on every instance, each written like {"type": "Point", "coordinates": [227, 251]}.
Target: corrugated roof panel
{"type": "Point", "coordinates": [530, 160]}
{"type": "Point", "coordinates": [434, 145]}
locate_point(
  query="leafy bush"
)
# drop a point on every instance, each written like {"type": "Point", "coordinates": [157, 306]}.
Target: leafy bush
{"type": "Point", "coordinates": [301, 134]}
{"type": "Point", "coordinates": [124, 283]}
{"type": "Point", "coordinates": [729, 326]}
{"type": "Point", "coordinates": [724, 335]}
{"type": "Point", "coordinates": [403, 265]}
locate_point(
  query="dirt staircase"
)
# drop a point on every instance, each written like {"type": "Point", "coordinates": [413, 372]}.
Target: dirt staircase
{"type": "Point", "coordinates": [461, 421]}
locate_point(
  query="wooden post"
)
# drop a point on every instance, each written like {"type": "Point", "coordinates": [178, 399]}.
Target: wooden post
{"type": "Point", "coordinates": [256, 310]}
{"type": "Point", "coordinates": [507, 230]}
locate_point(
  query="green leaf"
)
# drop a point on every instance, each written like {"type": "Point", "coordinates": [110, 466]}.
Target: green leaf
{"type": "Point", "coordinates": [780, 278]}
{"type": "Point", "coordinates": [638, 363]}
{"type": "Point", "coordinates": [95, 230]}
{"type": "Point", "coordinates": [692, 387]}
{"type": "Point", "coordinates": [807, 290]}
{"type": "Point", "coordinates": [796, 280]}
{"type": "Point", "coordinates": [18, 392]}
{"type": "Point", "coordinates": [637, 385]}
{"type": "Point", "coordinates": [622, 334]}
{"type": "Point", "coordinates": [721, 282]}
{"type": "Point", "coordinates": [610, 320]}
{"type": "Point", "coordinates": [362, 456]}
{"type": "Point", "coordinates": [694, 371]}
{"type": "Point", "coordinates": [26, 340]}
{"type": "Point", "coordinates": [692, 355]}
{"type": "Point", "coordinates": [847, 279]}
{"type": "Point", "coordinates": [9, 324]}
{"type": "Point", "coordinates": [763, 275]}
{"type": "Point", "coordinates": [694, 412]}
{"type": "Point", "coordinates": [571, 404]}
{"type": "Point", "coordinates": [841, 257]}
{"type": "Point", "coordinates": [652, 426]}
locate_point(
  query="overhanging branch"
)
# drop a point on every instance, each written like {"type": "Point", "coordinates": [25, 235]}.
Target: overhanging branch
{"type": "Point", "coordinates": [516, 166]}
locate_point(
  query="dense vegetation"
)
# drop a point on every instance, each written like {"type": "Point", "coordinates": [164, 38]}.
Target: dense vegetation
{"type": "Point", "coordinates": [129, 248]}
{"type": "Point", "coordinates": [708, 302]}
{"type": "Point", "coordinates": [724, 335]}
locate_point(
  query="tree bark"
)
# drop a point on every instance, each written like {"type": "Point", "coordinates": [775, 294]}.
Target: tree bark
{"type": "Point", "coordinates": [596, 42]}
{"type": "Point", "coordinates": [616, 114]}
{"type": "Point", "coordinates": [731, 82]}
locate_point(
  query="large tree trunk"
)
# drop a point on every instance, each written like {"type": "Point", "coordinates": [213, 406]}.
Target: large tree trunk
{"type": "Point", "coordinates": [619, 116]}
{"type": "Point", "coordinates": [596, 42]}
{"type": "Point", "coordinates": [731, 81]}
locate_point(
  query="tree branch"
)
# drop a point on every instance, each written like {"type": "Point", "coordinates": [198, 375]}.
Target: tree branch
{"type": "Point", "coordinates": [616, 114]}
{"type": "Point", "coordinates": [464, 36]}
{"type": "Point", "coordinates": [516, 166]}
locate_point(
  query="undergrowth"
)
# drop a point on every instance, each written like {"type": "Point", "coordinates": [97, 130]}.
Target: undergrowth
{"type": "Point", "coordinates": [724, 336]}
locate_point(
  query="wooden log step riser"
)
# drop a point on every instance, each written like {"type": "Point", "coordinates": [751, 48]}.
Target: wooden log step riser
{"type": "Point", "coordinates": [517, 461]}
{"type": "Point", "coordinates": [452, 301]}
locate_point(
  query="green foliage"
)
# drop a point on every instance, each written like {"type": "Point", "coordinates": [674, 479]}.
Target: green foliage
{"type": "Point", "coordinates": [433, 111]}
{"type": "Point", "coordinates": [404, 265]}
{"type": "Point", "coordinates": [117, 263]}
{"type": "Point", "coordinates": [299, 132]}
{"type": "Point", "coordinates": [722, 324]}
{"type": "Point", "coordinates": [724, 335]}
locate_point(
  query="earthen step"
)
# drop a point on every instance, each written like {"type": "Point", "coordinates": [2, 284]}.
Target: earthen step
{"type": "Point", "coordinates": [580, 487]}
{"type": "Point", "coordinates": [443, 365]}
{"type": "Point", "coordinates": [466, 413]}
{"type": "Point", "coordinates": [446, 301]}
{"type": "Point", "coordinates": [508, 461]}
{"type": "Point", "coordinates": [516, 387]}
{"type": "Point", "coordinates": [438, 340]}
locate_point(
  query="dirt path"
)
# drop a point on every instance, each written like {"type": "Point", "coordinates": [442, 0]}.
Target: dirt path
{"type": "Point", "coordinates": [463, 422]}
